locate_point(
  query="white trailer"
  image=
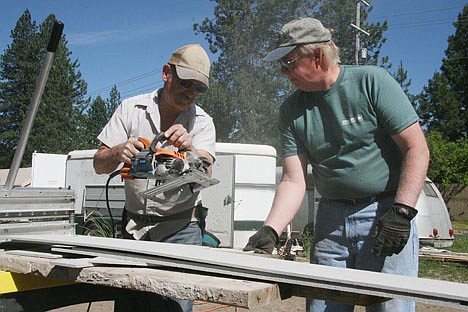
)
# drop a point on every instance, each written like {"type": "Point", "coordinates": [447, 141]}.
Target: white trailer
{"type": "Point", "coordinates": [433, 219]}
{"type": "Point", "coordinates": [240, 203]}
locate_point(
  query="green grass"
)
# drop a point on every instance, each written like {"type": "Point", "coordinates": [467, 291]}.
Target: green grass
{"type": "Point", "coordinates": [446, 271]}
{"type": "Point", "coordinates": [96, 225]}
{"type": "Point", "coordinates": [460, 244]}
{"type": "Point", "coordinates": [460, 225]}
{"type": "Point", "coordinates": [449, 271]}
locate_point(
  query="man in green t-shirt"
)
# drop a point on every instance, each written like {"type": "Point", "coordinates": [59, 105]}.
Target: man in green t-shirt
{"type": "Point", "coordinates": [357, 129]}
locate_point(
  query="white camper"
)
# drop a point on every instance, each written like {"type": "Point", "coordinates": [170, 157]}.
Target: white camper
{"type": "Point", "coordinates": [433, 219]}
{"type": "Point", "coordinates": [240, 203]}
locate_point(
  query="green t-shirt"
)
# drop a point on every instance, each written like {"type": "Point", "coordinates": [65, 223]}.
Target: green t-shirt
{"type": "Point", "coordinates": [345, 132]}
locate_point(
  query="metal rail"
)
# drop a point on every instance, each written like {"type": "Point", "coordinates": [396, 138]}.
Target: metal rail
{"type": "Point", "coordinates": [35, 100]}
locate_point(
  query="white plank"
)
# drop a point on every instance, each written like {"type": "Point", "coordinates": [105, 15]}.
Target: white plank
{"type": "Point", "coordinates": [29, 253]}
{"type": "Point", "coordinates": [303, 274]}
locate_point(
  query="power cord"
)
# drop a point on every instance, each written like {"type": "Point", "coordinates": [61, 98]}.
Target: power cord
{"type": "Point", "coordinates": [113, 174]}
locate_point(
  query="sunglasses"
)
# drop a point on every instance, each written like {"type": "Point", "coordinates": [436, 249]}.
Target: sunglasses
{"type": "Point", "coordinates": [289, 64]}
{"type": "Point", "coordinates": [188, 84]}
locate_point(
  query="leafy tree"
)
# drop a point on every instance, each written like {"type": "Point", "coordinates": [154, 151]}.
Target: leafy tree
{"type": "Point", "coordinates": [438, 108]}
{"type": "Point", "coordinates": [63, 100]}
{"type": "Point", "coordinates": [443, 103]}
{"type": "Point", "coordinates": [246, 92]}
{"type": "Point", "coordinates": [448, 167]}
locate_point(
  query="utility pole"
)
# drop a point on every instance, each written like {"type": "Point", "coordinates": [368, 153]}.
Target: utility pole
{"type": "Point", "coordinates": [359, 29]}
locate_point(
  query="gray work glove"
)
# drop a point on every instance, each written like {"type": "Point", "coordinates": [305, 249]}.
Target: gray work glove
{"type": "Point", "coordinates": [393, 230]}
{"type": "Point", "coordinates": [263, 241]}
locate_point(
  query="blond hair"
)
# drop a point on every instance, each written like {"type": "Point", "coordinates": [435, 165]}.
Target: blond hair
{"type": "Point", "coordinates": [329, 50]}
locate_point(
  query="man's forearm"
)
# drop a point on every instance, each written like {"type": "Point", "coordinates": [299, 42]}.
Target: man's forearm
{"type": "Point", "coordinates": [413, 147]}
{"type": "Point", "coordinates": [286, 204]}
{"type": "Point", "coordinates": [413, 173]}
{"type": "Point", "coordinates": [104, 161]}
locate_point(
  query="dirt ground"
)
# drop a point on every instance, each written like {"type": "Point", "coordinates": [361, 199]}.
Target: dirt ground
{"type": "Point", "coordinates": [293, 304]}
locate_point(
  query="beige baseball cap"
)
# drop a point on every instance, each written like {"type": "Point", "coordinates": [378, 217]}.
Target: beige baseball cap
{"type": "Point", "coordinates": [297, 32]}
{"type": "Point", "coordinates": [192, 62]}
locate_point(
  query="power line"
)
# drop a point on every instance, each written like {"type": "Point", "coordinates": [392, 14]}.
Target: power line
{"type": "Point", "coordinates": [417, 12]}
{"type": "Point", "coordinates": [257, 34]}
{"type": "Point", "coordinates": [419, 24]}
{"type": "Point", "coordinates": [142, 89]}
{"type": "Point", "coordinates": [127, 81]}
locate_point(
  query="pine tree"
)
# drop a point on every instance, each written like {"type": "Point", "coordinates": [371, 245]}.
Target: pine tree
{"type": "Point", "coordinates": [401, 76]}
{"type": "Point", "coordinates": [338, 15]}
{"type": "Point", "coordinates": [18, 72]}
{"type": "Point", "coordinates": [245, 91]}
{"type": "Point", "coordinates": [97, 116]}
{"type": "Point", "coordinates": [112, 102]}
{"type": "Point", "coordinates": [442, 105]}
{"type": "Point", "coordinates": [243, 99]}
{"type": "Point", "coordinates": [59, 115]}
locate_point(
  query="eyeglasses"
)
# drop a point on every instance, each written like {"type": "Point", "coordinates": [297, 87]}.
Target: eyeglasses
{"type": "Point", "coordinates": [188, 84]}
{"type": "Point", "coordinates": [289, 64]}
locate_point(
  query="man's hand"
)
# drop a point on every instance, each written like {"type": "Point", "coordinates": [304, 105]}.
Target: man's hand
{"type": "Point", "coordinates": [125, 151]}
{"type": "Point", "coordinates": [108, 159]}
{"type": "Point", "coordinates": [393, 229]}
{"type": "Point", "coordinates": [179, 137]}
{"type": "Point", "coordinates": [263, 241]}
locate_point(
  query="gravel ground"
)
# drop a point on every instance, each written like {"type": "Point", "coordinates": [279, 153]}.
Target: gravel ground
{"type": "Point", "coordinates": [293, 304]}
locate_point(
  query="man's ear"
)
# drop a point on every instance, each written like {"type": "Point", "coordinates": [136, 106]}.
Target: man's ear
{"type": "Point", "coordinates": [320, 59]}
{"type": "Point", "coordinates": [166, 72]}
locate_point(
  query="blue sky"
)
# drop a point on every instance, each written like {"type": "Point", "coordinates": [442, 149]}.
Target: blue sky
{"type": "Point", "coordinates": [126, 42]}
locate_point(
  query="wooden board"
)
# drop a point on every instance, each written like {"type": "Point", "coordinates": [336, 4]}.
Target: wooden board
{"type": "Point", "coordinates": [445, 256]}
{"type": "Point", "coordinates": [240, 293]}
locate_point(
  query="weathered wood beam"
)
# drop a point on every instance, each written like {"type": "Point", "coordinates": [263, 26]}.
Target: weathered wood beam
{"type": "Point", "coordinates": [234, 292]}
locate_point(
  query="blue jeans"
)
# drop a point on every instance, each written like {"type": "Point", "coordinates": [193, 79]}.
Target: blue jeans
{"type": "Point", "coordinates": [190, 235]}
{"type": "Point", "coordinates": [150, 302]}
{"type": "Point", "coordinates": [342, 238]}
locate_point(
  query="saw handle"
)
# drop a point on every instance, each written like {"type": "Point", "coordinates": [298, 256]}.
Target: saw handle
{"type": "Point", "coordinates": [127, 167]}
{"type": "Point", "coordinates": [150, 147]}
{"type": "Point", "coordinates": [158, 138]}
{"type": "Point", "coordinates": [146, 142]}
